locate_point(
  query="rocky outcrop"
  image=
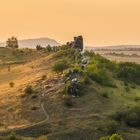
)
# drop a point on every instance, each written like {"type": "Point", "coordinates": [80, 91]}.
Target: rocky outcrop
{"type": "Point", "coordinates": [77, 43]}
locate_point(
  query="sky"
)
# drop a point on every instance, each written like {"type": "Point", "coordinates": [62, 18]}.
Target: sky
{"type": "Point", "coordinates": [101, 22]}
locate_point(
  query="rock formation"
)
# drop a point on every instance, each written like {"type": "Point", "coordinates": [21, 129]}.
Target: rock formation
{"type": "Point", "coordinates": [77, 43]}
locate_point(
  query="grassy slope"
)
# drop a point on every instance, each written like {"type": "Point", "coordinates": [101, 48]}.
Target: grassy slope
{"type": "Point", "coordinates": [15, 110]}
{"type": "Point", "coordinates": [84, 119]}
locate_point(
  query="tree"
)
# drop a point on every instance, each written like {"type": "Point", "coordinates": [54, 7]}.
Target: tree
{"type": "Point", "coordinates": [12, 43]}
{"type": "Point", "coordinates": [49, 48]}
{"type": "Point", "coordinates": [39, 47]}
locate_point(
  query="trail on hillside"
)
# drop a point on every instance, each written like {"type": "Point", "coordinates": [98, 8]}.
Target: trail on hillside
{"type": "Point", "coordinates": [47, 92]}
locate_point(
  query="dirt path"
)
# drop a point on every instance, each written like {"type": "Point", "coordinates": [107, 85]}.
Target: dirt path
{"type": "Point", "coordinates": [33, 129]}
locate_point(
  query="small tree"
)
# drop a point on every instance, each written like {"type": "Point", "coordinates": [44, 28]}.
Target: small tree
{"type": "Point", "coordinates": [12, 43]}
{"type": "Point", "coordinates": [39, 47]}
{"type": "Point", "coordinates": [49, 48]}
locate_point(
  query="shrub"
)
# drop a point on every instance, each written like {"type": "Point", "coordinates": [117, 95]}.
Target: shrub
{"type": "Point", "coordinates": [89, 53]}
{"type": "Point", "coordinates": [39, 47]}
{"type": "Point", "coordinates": [12, 136]}
{"type": "Point", "coordinates": [137, 99]}
{"type": "Point", "coordinates": [34, 96]}
{"type": "Point", "coordinates": [129, 72]}
{"type": "Point", "coordinates": [133, 86]}
{"type": "Point", "coordinates": [60, 66]}
{"type": "Point", "coordinates": [85, 80]}
{"type": "Point", "coordinates": [68, 101]}
{"type": "Point", "coordinates": [113, 137]}
{"type": "Point", "coordinates": [44, 77]}
{"type": "Point", "coordinates": [132, 117]}
{"type": "Point", "coordinates": [127, 89]}
{"type": "Point", "coordinates": [105, 94]}
{"type": "Point", "coordinates": [99, 75]}
{"type": "Point", "coordinates": [119, 115]}
{"type": "Point", "coordinates": [77, 70]}
{"type": "Point", "coordinates": [11, 84]}
{"type": "Point", "coordinates": [65, 51]}
{"type": "Point", "coordinates": [29, 89]}
{"type": "Point", "coordinates": [70, 89]}
{"type": "Point", "coordinates": [34, 108]}
{"type": "Point", "coordinates": [102, 63]}
{"type": "Point", "coordinates": [109, 127]}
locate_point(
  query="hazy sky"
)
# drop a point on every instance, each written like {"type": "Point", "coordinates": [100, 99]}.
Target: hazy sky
{"type": "Point", "coordinates": [101, 22]}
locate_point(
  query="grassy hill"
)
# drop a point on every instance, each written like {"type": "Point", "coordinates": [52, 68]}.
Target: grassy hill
{"type": "Point", "coordinates": [38, 97]}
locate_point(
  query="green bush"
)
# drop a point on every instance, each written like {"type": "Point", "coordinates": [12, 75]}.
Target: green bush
{"type": "Point", "coordinates": [70, 90]}
{"type": "Point", "coordinates": [12, 136]}
{"type": "Point", "coordinates": [60, 66]}
{"type": "Point", "coordinates": [99, 75]}
{"type": "Point", "coordinates": [137, 99]}
{"type": "Point", "coordinates": [29, 89]}
{"type": "Point", "coordinates": [68, 101]}
{"type": "Point", "coordinates": [34, 108]}
{"type": "Point", "coordinates": [129, 72]}
{"type": "Point", "coordinates": [89, 53]}
{"type": "Point", "coordinates": [113, 137]}
{"type": "Point", "coordinates": [127, 89]}
{"type": "Point", "coordinates": [105, 94]}
{"type": "Point", "coordinates": [102, 63]}
{"type": "Point", "coordinates": [132, 117]}
{"type": "Point", "coordinates": [109, 127]}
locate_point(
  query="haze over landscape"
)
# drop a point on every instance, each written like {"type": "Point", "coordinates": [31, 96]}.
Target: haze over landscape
{"type": "Point", "coordinates": [101, 22]}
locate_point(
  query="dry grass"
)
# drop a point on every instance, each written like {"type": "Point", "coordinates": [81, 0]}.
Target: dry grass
{"type": "Point", "coordinates": [122, 58]}
{"type": "Point", "coordinates": [14, 110]}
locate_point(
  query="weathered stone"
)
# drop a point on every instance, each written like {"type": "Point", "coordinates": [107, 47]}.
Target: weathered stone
{"type": "Point", "coordinates": [77, 43]}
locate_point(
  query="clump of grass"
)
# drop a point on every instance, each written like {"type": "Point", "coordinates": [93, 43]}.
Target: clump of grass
{"type": "Point", "coordinates": [11, 84]}
{"type": "Point", "coordinates": [109, 127]}
{"type": "Point", "coordinates": [127, 89]}
{"type": "Point", "coordinates": [68, 101]}
{"type": "Point", "coordinates": [137, 99]}
{"type": "Point", "coordinates": [34, 96]}
{"type": "Point", "coordinates": [23, 95]}
{"type": "Point", "coordinates": [130, 116]}
{"type": "Point", "coordinates": [43, 77]}
{"type": "Point", "coordinates": [60, 66]}
{"type": "Point", "coordinates": [29, 89]}
{"type": "Point", "coordinates": [12, 136]}
{"type": "Point", "coordinates": [105, 94]}
{"type": "Point", "coordinates": [34, 108]}
{"type": "Point", "coordinates": [113, 137]}
{"type": "Point", "coordinates": [133, 86]}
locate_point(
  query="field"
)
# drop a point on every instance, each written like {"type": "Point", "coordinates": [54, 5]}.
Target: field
{"type": "Point", "coordinates": [121, 56]}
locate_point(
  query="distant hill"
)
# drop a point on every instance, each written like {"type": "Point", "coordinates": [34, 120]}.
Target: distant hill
{"type": "Point", "coordinates": [31, 43]}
